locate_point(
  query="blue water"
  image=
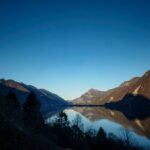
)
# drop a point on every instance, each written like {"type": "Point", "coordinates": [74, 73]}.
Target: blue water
{"type": "Point", "coordinates": [118, 129]}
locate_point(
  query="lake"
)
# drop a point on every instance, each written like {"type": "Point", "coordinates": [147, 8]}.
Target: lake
{"type": "Point", "coordinates": [111, 121]}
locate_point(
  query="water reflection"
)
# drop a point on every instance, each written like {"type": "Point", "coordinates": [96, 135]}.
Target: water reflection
{"type": "Point", "coordinates": [112, 121]}
{"type": "Point", "coordinates": [98, 113]}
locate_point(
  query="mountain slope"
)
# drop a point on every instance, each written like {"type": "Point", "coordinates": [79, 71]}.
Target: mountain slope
{"type": "Point", "coordinates": [89, 97]}
{"type": "Point", "coordinates": [47, 99]}
{"type": "Point", "coordinates": [135, 86]}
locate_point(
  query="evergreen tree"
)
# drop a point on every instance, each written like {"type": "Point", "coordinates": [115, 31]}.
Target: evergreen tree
{"type": "Point", "coordinates": [12, 100]}
{"type": "Point", "coordinates": [101, 133]}
{"type": "Point", "coordinates": [10, 106]}
{"type": "Point", "coordinates": [31, 112]}
{"type": "Point", "coordinates": [31, 102]}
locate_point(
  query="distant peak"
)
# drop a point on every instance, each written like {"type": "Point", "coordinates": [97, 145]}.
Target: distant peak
{"type": "Point", "coordinates": [92, 90]}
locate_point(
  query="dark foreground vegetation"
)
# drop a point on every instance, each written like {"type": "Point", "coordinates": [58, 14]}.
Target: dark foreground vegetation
{"type": "Point", "coordinates": [23, 128]}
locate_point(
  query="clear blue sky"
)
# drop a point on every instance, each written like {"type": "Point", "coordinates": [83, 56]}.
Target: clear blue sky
{"type": "Point", "coordinates": [69, 46]}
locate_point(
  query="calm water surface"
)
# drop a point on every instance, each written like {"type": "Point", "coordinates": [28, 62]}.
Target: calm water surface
{"type": "Point", "coordinates": [111, 121]}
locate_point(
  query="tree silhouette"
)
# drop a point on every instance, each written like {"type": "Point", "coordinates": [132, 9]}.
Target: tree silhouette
{"type": "Point", "coordinates": [31, 112]}
{"type": "Point", "coordinates": [62, 120]}
{"type": "Point", "coordinates": [10, 106]}
{"type": "Point", "coordinates": [31, 102]}
{"type": "Point", "coordinates": [78, 121]}
{"type": "Point", "coordinates": [1, 94]}
{"type": "Point", "coordinates": [12, 100]}
{"type": "Point", "coordinates": [101, 133]}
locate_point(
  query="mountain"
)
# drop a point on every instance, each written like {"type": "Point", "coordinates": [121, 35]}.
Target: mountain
{"type": "Point", "coordinates": [47, 99]}
{"type": "Point", "coordinates": [135, 86]}
{"type": "Point", "coordinates": [89, 97]}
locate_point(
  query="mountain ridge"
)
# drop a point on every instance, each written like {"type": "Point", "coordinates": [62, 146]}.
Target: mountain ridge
{"type": "Point", "coordinates": [136, 85]}
{"type": "Point", "coordinates": [47, 99]}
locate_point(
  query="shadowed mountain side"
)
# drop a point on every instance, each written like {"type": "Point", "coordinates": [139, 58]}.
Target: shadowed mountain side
{"type": "Point", "coordinates": [132, 106]}
{"type": "Point", "coordinates": [47, 99]}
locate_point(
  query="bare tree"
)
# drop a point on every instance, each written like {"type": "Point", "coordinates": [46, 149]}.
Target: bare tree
{"type": "Point", "coordinates": [78, 121]}
{"type": "Point", "coordinates": [126, 135]}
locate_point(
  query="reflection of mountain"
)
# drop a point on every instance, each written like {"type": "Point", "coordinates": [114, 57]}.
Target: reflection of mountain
{"type": "Point", "coordinates": [132, 106]}
{"type": "Point", "coordinates": [46, 98]}
{"type": "Point", "coordinates": [131, 99]}
{"type": "Point", "coordinates": [97, 113]}
{"type": "Point", "coordinates": [135, 86]}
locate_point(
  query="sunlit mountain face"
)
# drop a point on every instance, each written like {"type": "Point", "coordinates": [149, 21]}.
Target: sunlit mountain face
{"type": "Point", "coordinates": [135, 86]}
